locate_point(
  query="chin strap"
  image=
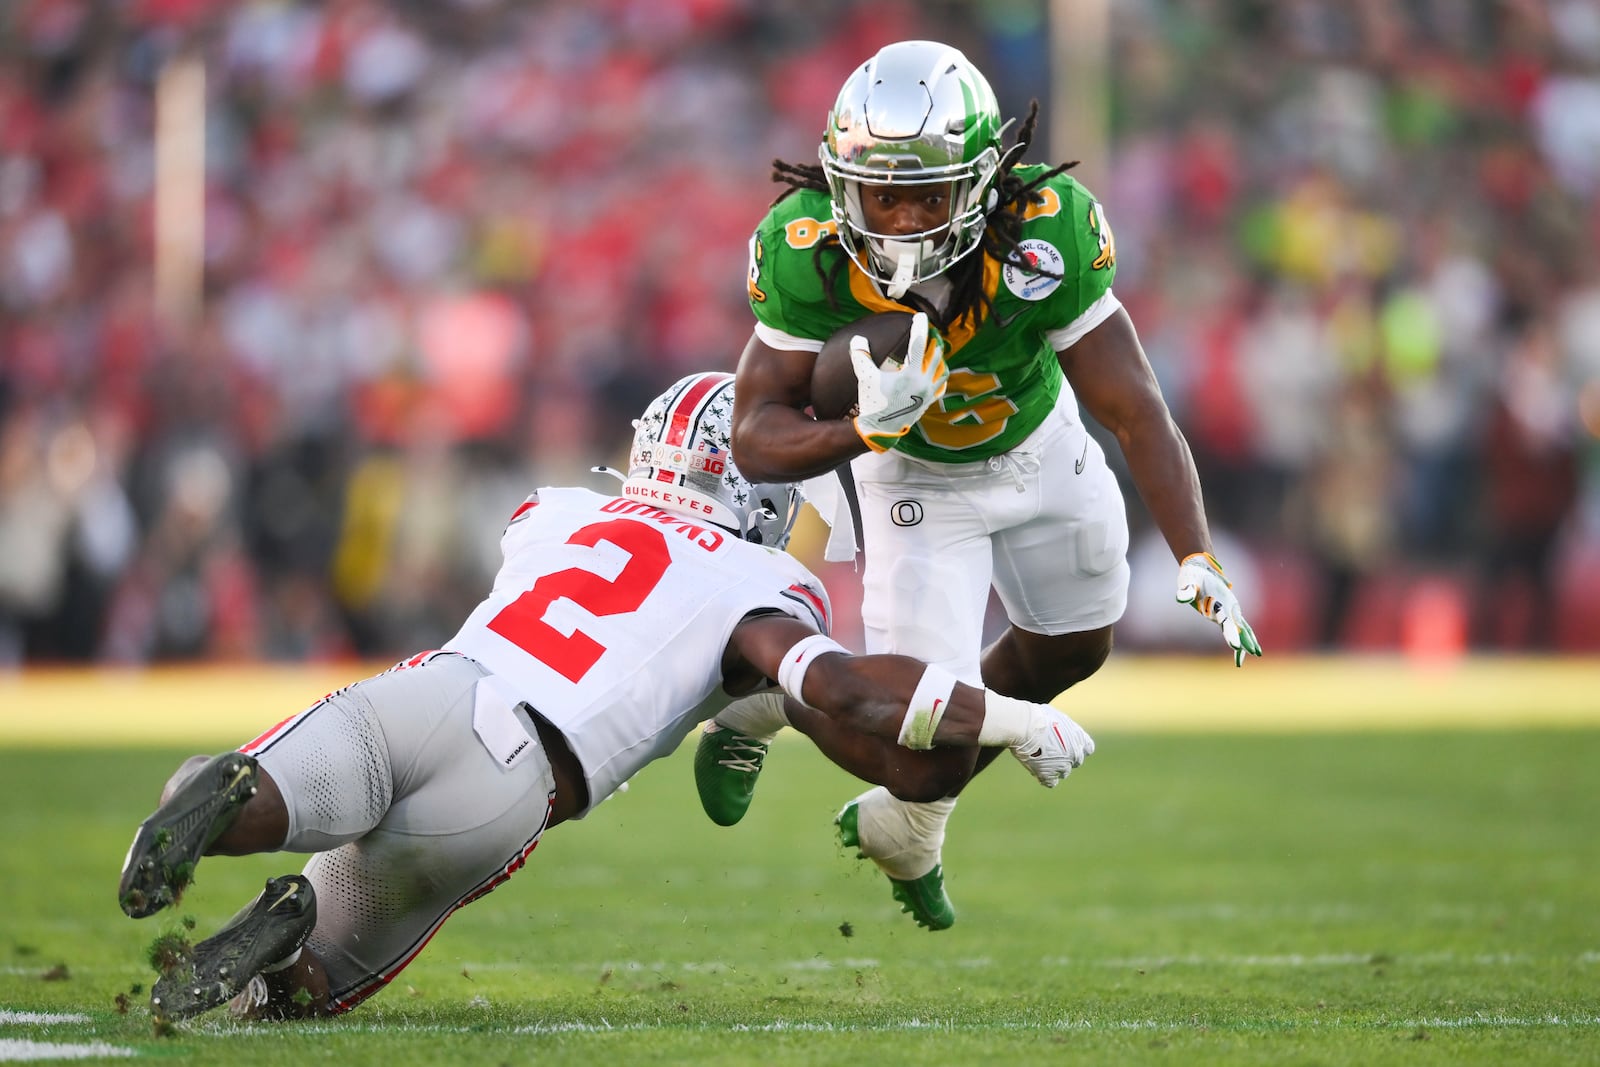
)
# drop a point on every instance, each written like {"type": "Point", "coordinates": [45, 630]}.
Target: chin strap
{"type": "Point", "coordinates": [750, 521]}
{"type": "Point", "coordinates": [603, 469]}
{"type": "Point", "coordinates": [904, 275]}
{"type": "Point", "coordinates": [907, 256]}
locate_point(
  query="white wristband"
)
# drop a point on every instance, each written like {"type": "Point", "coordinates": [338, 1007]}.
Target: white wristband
{"type": "Point", "coordinates": [796, 661]}
{"type": "Point", "coordinates": [1006, 720]}
{"type": "Point", "coordinates": [927, 707]}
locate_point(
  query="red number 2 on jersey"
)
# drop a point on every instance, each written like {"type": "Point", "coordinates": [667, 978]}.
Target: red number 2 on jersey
{"type": "Point", "coordinates": [522, 621]}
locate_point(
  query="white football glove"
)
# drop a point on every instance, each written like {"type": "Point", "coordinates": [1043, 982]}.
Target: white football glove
{"type": "Point", "coordinates": [1201, 584]}
{"type": "Point", "coordinates": [891, 398]}
{"type": "Point", "coordinates": [1056, 747]}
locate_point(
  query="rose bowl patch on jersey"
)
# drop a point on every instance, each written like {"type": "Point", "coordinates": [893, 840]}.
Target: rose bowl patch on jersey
{"type": "Point", "coordinates": [1039, 282]}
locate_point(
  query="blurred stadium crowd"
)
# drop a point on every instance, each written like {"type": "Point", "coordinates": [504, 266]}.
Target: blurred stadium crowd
{"type": "Point", "coordinates": [451, 248]}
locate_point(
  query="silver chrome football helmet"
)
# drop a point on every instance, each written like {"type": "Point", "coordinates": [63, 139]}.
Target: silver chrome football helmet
{"type": "Point", "coordinates": [917, 113]}
{"type": "Point", "coordinates": [681, 461]}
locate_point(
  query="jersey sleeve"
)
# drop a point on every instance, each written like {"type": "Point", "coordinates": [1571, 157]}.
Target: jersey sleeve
{"type": "Point", "coordinates": [799, 593]}
{"type": "Point", "coordinates": [809, 603]}
{"type": "Point", "coordinates": [786, 293]}
{"type": "Point", "coordinates": [1088, 250]}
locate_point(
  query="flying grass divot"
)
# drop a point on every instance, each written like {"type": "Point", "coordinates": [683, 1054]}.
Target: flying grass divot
{"type": "Point", "coordinates": [171, 948]}
{"type": "Point", "coordinates": [170, 951]}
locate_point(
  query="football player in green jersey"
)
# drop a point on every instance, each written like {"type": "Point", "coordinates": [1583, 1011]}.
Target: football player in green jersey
{"type": "Point", "coordinates": [986, 477]}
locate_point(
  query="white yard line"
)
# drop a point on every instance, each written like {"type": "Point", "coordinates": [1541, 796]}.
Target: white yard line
{"type": "Point", "coordinates": [20, 1050]}
{"type": "Point", "coordinates": [13, 1050]}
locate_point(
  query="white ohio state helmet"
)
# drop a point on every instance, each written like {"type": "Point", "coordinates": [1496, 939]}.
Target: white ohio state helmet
{"type": "Point", "coordinates": [682, 461]}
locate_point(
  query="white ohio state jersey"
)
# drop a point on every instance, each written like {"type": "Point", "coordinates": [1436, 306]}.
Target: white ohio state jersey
{"type": "Point", "coordinates": [610, 617]}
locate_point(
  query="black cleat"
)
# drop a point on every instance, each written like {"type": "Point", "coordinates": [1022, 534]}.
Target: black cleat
{"type": "Point", "coordinates": [171, 841]}
{"type": "Point", "coordinates": [274, 925]}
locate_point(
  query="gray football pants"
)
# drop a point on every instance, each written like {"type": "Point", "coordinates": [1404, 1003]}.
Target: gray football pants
{"type": "Point", "coordinates": [408, 814]}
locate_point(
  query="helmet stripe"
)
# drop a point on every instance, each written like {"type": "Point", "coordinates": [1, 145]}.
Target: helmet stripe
{"type": "Point", "coordinates": [683, 415]}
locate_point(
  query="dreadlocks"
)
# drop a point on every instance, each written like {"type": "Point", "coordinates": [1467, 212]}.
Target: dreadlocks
{"type": "Point", "coordinates": [1001, 236]}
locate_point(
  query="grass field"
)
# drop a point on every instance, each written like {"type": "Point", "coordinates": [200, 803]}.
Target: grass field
{"type": "Point", "coordinates": [1330, 896]}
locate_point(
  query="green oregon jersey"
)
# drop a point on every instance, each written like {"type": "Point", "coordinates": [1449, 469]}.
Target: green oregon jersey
{"type": "Point", "coordinates": [1004, 376]}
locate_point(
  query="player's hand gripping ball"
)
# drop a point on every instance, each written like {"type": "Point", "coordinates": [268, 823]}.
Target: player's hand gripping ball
{"type": "Point", "coordinates": [834, 388]}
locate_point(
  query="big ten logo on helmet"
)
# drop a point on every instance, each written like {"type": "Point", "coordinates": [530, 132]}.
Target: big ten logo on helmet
{"type": "Point", "coordinates": [710, 459]}
{"type": "Point", "coordinates": [1041, 273]}
{"type": "Point", "coordinates": [706, 458]}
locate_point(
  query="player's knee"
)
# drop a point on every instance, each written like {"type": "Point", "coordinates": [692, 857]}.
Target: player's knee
{"type": "Point", "coordinates": [1040, 667]}
{"type": "Point", "coordinates": [925, 790]}
{"type": "Point", "coordinates": [928, 776]}
{"type": "Point", "coordinates": [1079, 660]}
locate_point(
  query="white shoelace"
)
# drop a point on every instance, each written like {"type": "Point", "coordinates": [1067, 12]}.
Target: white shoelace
{"type": "Point", "coordinates": [251, 998]}
{"type": "Point", "coordinates": [742, 754]}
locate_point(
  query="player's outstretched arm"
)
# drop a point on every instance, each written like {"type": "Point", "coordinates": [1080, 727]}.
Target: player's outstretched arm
{"type": "Point", "coordinates": [872, 692]}
{"type": "Point", "coordinates": [902, 699]}
{"type": "Point", "coordinates": [1115, 383]}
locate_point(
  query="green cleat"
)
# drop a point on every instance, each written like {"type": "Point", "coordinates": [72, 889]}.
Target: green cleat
{"type": "Point", "coordinates": [726, 764]}
{"type": "Point", "coordinates": [923, 898]}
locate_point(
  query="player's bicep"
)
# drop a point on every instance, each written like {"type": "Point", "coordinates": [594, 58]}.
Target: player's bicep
{"type": "Point", "coordinates": [772, 387]}
{"type": "Point", "coordinates": [768, 375]}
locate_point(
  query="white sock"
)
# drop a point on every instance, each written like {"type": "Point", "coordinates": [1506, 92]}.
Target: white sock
{"type": "Point", "coordinates": [902, 838]}
{"type": "Point", "coordinates": [284, 964]}
{"type": "Point", "coordinates": [760, 716]}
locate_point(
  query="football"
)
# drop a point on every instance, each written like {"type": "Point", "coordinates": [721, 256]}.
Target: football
{"type": "Point", "coordinates": [833, 378]}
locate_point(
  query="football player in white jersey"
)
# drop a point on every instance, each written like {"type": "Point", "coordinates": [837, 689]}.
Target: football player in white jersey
{"type": "Point", "coordinates": [616, 624]}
